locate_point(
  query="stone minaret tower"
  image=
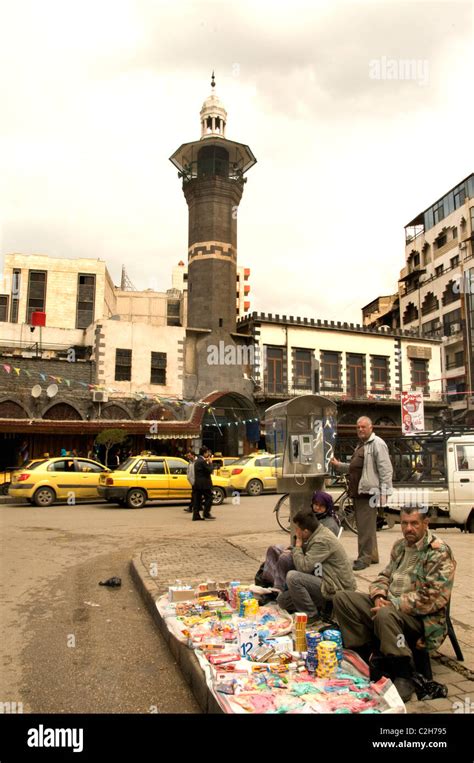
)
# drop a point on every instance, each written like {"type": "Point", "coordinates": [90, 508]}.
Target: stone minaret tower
{"type": "Point", "coordinates": [212, 170]}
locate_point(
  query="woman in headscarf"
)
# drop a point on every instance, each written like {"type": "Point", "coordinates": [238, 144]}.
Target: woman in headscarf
{"type": "Point", "coordinates": [279, 560]}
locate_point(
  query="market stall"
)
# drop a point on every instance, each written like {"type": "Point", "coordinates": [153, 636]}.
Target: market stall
{"type": "Point", "coordinates": [263, 660]}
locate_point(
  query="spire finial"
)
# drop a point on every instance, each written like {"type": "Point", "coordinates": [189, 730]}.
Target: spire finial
{"type": "Point", "coordinates": [213, 80]}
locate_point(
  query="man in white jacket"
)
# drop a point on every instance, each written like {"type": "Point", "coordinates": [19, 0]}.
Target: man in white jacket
{"type": "Point", "coordinates": [370, 481]}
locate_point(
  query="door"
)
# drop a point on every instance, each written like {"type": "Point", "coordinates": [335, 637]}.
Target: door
{"type": "Point", "coordinates": [64, 480]}
{"type": "Point", "coordinates": [463, 480]}
{"type": "Point", "coordinates": [88, 476]}
{"type": "Point", "coordinates": [179, 485]}
{"type": "Point", "coordinates": [266, 473]}
{"type": "Point", "coordinates": [153, 478]}
{"type": "Point", "coordinates": [274, 370]}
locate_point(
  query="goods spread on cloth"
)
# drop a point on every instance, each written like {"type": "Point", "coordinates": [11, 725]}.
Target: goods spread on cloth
{"type": "Point", "coordinates": [263, 660]}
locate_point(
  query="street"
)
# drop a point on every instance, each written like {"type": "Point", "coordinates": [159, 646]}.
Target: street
{"type": "Point", "coordinates": [70, 645]}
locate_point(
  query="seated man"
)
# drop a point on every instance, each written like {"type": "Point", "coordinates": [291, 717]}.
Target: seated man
{"type": "Point", "coordinates": [322, 568]}
{"type": "Point", "coordinates": [406, 604]}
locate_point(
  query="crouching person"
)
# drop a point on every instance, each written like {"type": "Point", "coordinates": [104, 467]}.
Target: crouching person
{"type": "Point", "coordinates": [406, 604]}
{"type": "Point", "coordinates": [322, 568]}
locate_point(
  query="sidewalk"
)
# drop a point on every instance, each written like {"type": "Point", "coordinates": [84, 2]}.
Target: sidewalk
{"type": "Point", "coordinates": [238, 557]}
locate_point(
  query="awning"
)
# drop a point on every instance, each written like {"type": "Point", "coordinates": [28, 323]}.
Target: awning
{"type": "Point", "coordinates": [173, 436]}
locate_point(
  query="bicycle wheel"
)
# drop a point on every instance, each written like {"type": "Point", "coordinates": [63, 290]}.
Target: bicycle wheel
{"type": "Point", "coordinates": [347, 514]}
{"type": "Point", "coordinates": [282, 511]}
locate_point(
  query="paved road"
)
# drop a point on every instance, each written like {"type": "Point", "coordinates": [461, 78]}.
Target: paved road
{"type": "Point", "coordinates": [60, 653]}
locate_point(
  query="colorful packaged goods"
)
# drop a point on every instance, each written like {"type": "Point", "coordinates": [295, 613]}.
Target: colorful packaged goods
{"type": "Point", "coordinates": [336, 636]}
{"type": "Point", "coordinates": [327, 659]}
{"type": "Point", "coordinates": [301, 619]}
{"type": "Point", "coordinates": [248, 640]}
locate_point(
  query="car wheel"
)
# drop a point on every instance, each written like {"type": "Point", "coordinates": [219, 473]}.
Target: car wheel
{"type": "Point", "coordinates": [136, 498]}
{"type": "Point", "coordinates": [218, 496]}
{"type": "Point", "coordinates": [470, 524]}
{"type": "Point", "coordinates": [254, 487]}
{"type": "Point", "coordinates": [44, 496]}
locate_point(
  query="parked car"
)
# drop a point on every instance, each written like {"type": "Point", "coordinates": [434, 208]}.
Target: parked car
{"type": "Point", "coordinates": [47, 480]}
{"type": "Point", "coordinates": [253, 474]}
{"type": "Point", "coordinates": [148, 478]}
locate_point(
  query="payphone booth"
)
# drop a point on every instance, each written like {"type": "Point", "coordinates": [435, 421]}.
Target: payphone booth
{"type": "Point", "coordinates": [301, 432]}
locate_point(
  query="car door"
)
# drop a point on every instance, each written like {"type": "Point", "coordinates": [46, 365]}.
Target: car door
{"type": "Point", "coordinates": [179, 485]}
{"type": "Point", "coordinates": [463, 477]}
{"type": "Point", "coordinates": [88, 476]}
{"type": "Point", "coordinates": [265, 472]}
{"type": "Point", "coordinates": [153, 476]}
{"type": "Point", "coordinates": [62, 477]}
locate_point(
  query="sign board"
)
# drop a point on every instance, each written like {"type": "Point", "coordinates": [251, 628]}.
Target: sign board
{"type": "Point", "coordinates": [413, 416]}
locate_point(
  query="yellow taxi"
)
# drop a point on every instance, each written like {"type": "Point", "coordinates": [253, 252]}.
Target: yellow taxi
{"type": "Point", "coordinates": [143, 478]}
{"type": "Point", "coordinates": [253, 474]}
{"type": "Point", "coordinates": [47, 480]}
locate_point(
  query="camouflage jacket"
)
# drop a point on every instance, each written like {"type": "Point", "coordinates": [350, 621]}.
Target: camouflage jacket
{"type": "Point", "coordinates": [431, 582]}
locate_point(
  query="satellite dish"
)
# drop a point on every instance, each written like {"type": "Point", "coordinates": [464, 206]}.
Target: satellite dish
{"type": "Point", "coordinates": [36, 391]}
{"type": "Point", "coordinates": [52, 390]}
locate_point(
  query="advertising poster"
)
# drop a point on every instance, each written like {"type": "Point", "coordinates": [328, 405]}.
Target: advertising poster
{"type": "Point", "coordinates": [413, 417]}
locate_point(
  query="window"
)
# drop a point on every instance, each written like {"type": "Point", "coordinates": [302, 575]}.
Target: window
{"type": "Point", "coordinates": [15, 296]}
{"type": "Point", "coordinates": [85, 300]}
{"type": "Point", "coordinates": [153, 467]}
{"type": "Point", "coordinates": [416, 260]}
{"type": "Point", "coordinates": [177, 467]}
{"type": "Point", "coordinates": [452, 322]}
{"type": "Point", "coordinates": [158, 368]}
{"type": "Point", "coordinates": [419, 375]}
{"type": "Point", "coordinates": [89, 466]}
{"type": "Point", "coordinates": [441, 240]}
{"type": "Point", "coordinates": [263, 462]}
{"type": "Point", "coordinates": [302, 369]}
{"type": "Point", "coordinates": [451, 294]}
{"type": "Point", "coordinates": [330, 370]}
{"type": "Point", "coordinates": [410, 314]}
{"type": "Point", "coordinates": [61, 466]}
{"type": "Point", "coordinates": [173, 312]}
{"type": "Point", "coordinates": [36, 292]}
{"type": "Point", "coordinates": [3, 307]}
{"type": "Point", "coordinates": [454, 261]}
{"type": "Point", "coordinates": [432, 328]}
{"type": "Point", "coordinates": [459, 196]}
{"type": "Point", "coordinates": [455, 232]}
{"type": "Point", "coordinates": [465, 457]}
{"type": "Point", "coordinates": [379, 374]}
{"type": "Point", "coordinates": [430, 303]}
{"type": "Point", "coordinates": [355, 375]}
{"type": "Point", "coordinates": [274, 369]}
{"type": "Point", "coordinates": [438, 212]}
{"type": "Point", "coordinates": [439, 270]}
{"type": "Point", "coordinates": [123, 365]}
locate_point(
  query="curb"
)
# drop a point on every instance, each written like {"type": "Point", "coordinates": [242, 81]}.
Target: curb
{"type": "Point", "coordinates": [184, 656]}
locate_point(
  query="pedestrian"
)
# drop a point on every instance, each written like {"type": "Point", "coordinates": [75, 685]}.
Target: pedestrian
{"type": "Point", "coordinates": [321, 569]}
{"type": "Point", "coordinates": [203, 468]}
{"type": "Point", "coordinates": [370, 481]}
{"type": "Point", "coordinates": [279, 559]}
{"type": "Point", "coordinates": [406, 605]}
{"type": "Point", "coordinates": [191, 456]}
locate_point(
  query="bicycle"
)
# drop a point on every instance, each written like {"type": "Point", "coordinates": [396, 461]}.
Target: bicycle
{"type": "Point", "coordinates": [343, 504]}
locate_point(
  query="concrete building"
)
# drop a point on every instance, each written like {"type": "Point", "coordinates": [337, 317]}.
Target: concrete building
{"type": "Point", "coordinates": [364, 370]}
{"type": "Point", "coordinates": [435, 287]}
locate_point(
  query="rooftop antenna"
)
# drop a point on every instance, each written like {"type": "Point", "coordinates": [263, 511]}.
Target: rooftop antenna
{"type": "Point", "coordinates": [125, 282]}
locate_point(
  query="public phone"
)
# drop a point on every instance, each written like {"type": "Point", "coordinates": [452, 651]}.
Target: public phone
{"type": "Point", "coordinates": [301, 448]}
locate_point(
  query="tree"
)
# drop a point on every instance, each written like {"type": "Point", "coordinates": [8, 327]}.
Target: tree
{"type": "Point", "coordinates": [108, 438]}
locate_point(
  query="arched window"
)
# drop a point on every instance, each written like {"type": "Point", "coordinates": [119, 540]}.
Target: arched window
{"type": "Point", "coordinates": [410, 314]}
{"type": "Point", "coordinates": [451, 292]}
{"type": "Point", "coordinates": [430, 304]}
{"type": "Point", "coordinates": [11, 410]}
{"type": "Point", "coordinates": [62, 412]}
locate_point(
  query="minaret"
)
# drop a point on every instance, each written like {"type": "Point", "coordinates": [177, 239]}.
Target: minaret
{"type": "Point", "coordinates": [212, 170]}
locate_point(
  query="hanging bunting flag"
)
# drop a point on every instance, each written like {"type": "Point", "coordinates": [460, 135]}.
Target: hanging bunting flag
{"type": "Point", "coordinates": [27, 372]}
{"type": "Point", "coordinates": [17, 371]}
{"type": "Point", "coordinates": [43, 377]}
{"type": "Point", "coordinates": [7, 368]}
{"type": "Point", "coordinates": [68, 382]}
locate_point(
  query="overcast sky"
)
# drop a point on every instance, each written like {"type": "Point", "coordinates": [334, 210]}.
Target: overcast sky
{"type": "Point", "coordinates": [96, 95]}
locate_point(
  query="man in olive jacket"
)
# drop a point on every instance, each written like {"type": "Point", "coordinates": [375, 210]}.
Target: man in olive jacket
{"type": "Point", "coordinates": [322, 569]}
{"type": "Point", "coordinates": [406, 603]}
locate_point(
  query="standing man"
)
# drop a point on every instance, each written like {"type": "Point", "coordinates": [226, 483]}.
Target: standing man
{"type": "Point", "coordinates": [203, 469]}
{"type": "Point", "coordinates": [190, 455]}
{"type": "Point", "coordinates": [406, 605]}
{"type": "Point", "coordinates": [370, 481]}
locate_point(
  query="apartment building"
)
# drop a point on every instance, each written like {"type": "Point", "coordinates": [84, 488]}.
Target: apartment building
{"type": "Point", "coordinates": [435, 287]}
